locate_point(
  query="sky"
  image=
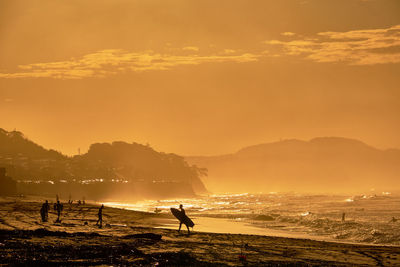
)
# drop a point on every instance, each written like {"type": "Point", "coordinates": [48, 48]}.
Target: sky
{"type": "Point", "coordinates": [199, 77]}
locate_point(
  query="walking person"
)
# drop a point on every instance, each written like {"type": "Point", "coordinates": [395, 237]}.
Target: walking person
{"type": "Point", "coordinates": [59, 208]}
{"type": "Point", "coordinates": [100, 214]}
{"type": "Point", "coordinates": [183, 216]}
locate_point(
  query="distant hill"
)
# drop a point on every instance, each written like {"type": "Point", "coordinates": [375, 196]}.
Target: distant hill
{"type": "Point", "coordinates": [116, 162]}
{"type": "Point", "coordinates": [326, 164]}
{"type": "Point", "coordinates": [14, 144]}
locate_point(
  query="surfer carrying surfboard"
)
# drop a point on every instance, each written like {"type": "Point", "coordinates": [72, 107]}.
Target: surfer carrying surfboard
{"type": "Point", "coordinates": [182, 217]}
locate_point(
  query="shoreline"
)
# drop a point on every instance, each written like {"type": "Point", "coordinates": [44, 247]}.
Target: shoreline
{"type": "Point", "coordinates": [130, 237]}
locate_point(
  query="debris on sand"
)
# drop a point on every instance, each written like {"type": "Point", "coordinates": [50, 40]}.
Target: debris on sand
{"type": "Point", "coordinates": [145, 235]}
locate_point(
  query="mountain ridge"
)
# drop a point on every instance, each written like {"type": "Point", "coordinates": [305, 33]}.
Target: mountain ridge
{"type": "Point", "coordinates": [323, 164]}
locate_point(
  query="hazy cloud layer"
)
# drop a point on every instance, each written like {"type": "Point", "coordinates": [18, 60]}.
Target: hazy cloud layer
{"type": "Point", "coordinates": [108, 62]}
{"type": "Point", "coordinates": [359, 47]}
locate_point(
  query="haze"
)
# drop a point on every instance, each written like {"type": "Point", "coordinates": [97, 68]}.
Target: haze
{"type": "Point", "coordinates": [200, 77]}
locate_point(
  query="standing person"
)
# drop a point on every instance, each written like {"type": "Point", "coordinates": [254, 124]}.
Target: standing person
{"type": "Point", "coordinates": [46, 206]}
{"type": "Point", "coordinates": [43, 213]}
{"type": "Point", "coordinates": [59, 208]}
{"type": "Point", "coordinates": [100, 214]}
{"type": "Point", "coordinates": [343, 216]}
{"type": "Point", "coordinates": [183, 215]}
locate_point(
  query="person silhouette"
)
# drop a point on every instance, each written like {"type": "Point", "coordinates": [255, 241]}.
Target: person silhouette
{"type": "Point", "coordinates": [59, 208]}
{"type": "Point", "coordinates": [100, 214]}
{"type": "Point", "coordinates": [44, 211]}
{"type": "Point", "coordinates": [183, 215]}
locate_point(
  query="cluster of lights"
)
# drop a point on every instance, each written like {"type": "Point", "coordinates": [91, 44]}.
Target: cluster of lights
{"type": "Point", "coordinates": [88, 181]}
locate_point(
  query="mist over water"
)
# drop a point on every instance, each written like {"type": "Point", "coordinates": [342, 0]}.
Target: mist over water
{"type": "Point", "coordinates": [368, 218]}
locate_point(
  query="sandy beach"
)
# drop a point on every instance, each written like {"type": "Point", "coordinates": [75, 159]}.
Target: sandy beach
{"type": "Point", "coordinates": [137, 238]}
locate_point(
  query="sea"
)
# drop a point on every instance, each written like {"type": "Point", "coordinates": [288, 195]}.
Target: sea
{"type": "Point", "coordinates": [370, 218]}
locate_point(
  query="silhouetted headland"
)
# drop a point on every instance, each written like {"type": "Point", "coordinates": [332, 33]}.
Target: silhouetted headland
{"type": "Point", "coordinates": [118, 170]}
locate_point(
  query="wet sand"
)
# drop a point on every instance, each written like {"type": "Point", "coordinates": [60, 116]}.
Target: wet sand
{"type": "Point", "coordinates": [134, 238]}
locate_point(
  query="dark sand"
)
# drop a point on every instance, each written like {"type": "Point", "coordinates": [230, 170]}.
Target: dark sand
{"type": "Point", "coordinates": [129, 238]}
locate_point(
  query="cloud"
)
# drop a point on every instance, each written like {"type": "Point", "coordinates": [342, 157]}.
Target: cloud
{"type": "Point", "coordinates": [358, 47]}
{"type": "Point", "coordinates": [191, 48]}
{"type": "Point", "coordinates": [112, 61]}
{"type": "Point", "coordinates": [288, 33]}
{"type": "Point", "coordinates": [229, 51]}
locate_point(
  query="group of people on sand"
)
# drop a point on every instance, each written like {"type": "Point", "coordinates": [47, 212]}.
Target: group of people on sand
{"type": "Point", "coordinates": [79, 202]}
{"type": "Point", "coordinates": [44, 211]}
{"type": "Point", "coordinates": [58, 207]}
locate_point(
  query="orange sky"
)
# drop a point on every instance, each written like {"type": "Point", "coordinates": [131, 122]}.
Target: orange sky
{"type": "Point", "coordinates": [200, 77]}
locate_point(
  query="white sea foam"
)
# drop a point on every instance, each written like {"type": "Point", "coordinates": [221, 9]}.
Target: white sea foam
{"type": "Point", "coordinates": [368, 218]}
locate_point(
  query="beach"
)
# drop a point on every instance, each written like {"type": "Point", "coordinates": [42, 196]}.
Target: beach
{"type": "Point", "coordinates": [139, 238]}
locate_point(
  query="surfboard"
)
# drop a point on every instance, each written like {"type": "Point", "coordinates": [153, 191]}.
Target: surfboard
{"type": "Point", "coordinates": [182, 218]}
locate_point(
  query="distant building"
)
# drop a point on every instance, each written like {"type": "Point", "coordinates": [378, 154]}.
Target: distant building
{"type": "Point", "coordinates": [7, 185]}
